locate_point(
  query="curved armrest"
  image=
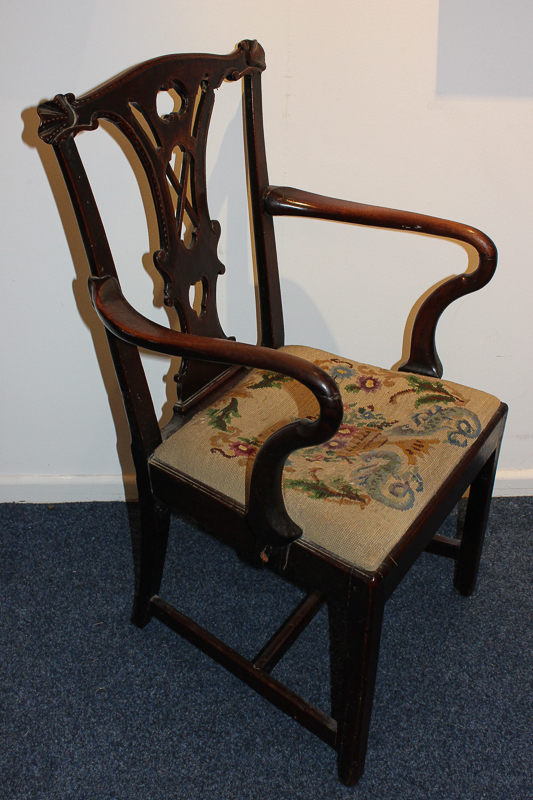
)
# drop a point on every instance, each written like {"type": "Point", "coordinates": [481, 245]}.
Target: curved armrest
{"type": "Point", "coordinates": [266, 516]}
{"type": "Point", "coordinates": [423, 357]}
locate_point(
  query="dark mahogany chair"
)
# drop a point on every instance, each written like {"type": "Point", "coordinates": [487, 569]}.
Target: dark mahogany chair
{"type": "Point", "coordinates": [336, 475]}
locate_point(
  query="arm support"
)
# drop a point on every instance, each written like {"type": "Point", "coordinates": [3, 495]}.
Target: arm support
{"type": "Point", "coordinates": [266, 514]}
{"type": "Point", "coordinates": [423, 357]}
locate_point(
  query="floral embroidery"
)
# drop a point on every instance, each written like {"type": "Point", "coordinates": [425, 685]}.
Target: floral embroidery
{"type": "Point", "coordinates": [342, 372]}
{"type": "Point", "coordinates": [416, 448]}
{"type": "Point", "coordinates": [242, 448]}
{"type": "Point", "coordinates": [374, 456]}
{"type": "Point", "coordinates": [220, 418]}
{"type": "Point", "coordinates": [462, 423]}
{"type": "Point", "coordinates": [338, 490]}
{"type": "Point", "coordinates": [428, 391]}
{"type": "Point", "coordinates": [385, 482]}
{"type": "Point", "coordinates": [271, 380]}
{"type": "Point", "coordinates": [365, 383]}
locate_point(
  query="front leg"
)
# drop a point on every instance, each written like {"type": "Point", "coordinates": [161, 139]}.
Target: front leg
{"type": "Point", "coordinates": [355, 633]}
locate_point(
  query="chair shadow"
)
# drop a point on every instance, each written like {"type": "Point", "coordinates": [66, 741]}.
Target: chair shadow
{"type": "Point", "coordinates": [81, 295]}
{"type": "Point", "coordinates": [222, 174]}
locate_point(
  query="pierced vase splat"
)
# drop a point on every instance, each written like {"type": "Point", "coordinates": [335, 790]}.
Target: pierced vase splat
{"type": "Point", "coordinates": [163, 108]}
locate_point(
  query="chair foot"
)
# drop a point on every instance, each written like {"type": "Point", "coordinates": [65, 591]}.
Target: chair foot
{"type": "Point", "coordinates": [149, 536]}
{"type": "Point", "coordinates": [349, 776]}
{"type": "Point", "coordinates": [474, 524]}
{"type": "Point", "coordinates": [140, 613]}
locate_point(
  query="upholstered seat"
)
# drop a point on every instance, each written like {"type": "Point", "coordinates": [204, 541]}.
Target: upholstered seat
{"type": "Point", "coordinates": [358, 494]}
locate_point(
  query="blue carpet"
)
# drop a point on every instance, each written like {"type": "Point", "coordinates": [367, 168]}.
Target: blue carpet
{"type": "Point", "coordinates": [92, 707]}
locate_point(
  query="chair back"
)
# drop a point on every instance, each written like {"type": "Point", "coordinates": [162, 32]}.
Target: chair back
{"type": "Point", "coordinates": [171, 148]}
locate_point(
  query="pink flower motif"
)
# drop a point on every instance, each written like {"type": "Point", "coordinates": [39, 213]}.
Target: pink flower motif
{"type": "Point", "coordinates": [368, 383]}
{"type": "Point", "coordinates": [243, 448]}
{"type": "Point", "coordinates": [342, 438]}
{"type": "Point", "coordinates": [346, 432]}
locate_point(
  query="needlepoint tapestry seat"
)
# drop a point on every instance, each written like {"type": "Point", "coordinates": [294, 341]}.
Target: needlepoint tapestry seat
{"type": "Point", "coordinates": [334, 474]}
{"type": "Point", "coordinates": [359, 493]}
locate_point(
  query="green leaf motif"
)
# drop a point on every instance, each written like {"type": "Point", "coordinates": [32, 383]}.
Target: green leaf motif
{"type": "Point", "coordinates": [366, 418]}
{"type": "Point", "coordinates": [271, 380]}
{"type": "Point", "coordinates": [433, 398]}
{"type": "Point", "coordinates": [221, 419]}
{"type": "Point", "coordinates": [352, 387]}
{"type": "Point", "coordinates": [430, 392]}
{"type": "Point", "coordinates": [318, 490]}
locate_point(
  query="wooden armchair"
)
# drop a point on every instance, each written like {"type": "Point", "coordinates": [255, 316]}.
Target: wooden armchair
{"type": "Point", "coordinates": [332, 473]}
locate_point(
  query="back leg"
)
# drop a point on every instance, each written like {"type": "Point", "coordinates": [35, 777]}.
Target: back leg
{"type": "Point", "coordinates": [149, 537]}
{"type": "Point", "coordinates": [474, 524]}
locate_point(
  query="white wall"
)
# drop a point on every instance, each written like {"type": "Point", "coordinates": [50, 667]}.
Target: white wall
{"type": "Point", "coordinates": [352, 110]}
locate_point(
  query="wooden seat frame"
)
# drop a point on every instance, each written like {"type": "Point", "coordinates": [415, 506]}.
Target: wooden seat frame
{"type": "Point", "coordinates": [212, 363]}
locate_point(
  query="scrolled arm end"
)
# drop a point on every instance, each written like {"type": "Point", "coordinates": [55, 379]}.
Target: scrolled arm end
{"type": "Point", "coordinates": [267, 516]}
{"type": "Point", "coordinates": [269, 520]}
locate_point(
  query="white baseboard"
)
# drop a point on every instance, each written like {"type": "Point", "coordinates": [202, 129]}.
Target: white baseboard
{"type": "Point", "coordinates": [66, 488]}
{"type": "Point", "coordinates": [514, 483]}
{"type": "Point", "coordinates": [87, 488]}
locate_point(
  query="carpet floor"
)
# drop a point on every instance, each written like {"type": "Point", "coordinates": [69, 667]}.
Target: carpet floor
{"type": "Point", "coordinates": [92, 707]}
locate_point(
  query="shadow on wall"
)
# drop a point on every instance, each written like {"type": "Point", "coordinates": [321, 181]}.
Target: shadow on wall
{"type": "Point", "coordinates": [30, 119]}
{"type": "Point", "coordinates": [485, 48]}
{"type": "Point", "coordinates": [227, 199]}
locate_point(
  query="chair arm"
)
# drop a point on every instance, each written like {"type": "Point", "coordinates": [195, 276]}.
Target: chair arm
{"type": "Point", "coordinates": [266, 516]}
{"type": "Point", "coordinates": [423, 357]}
